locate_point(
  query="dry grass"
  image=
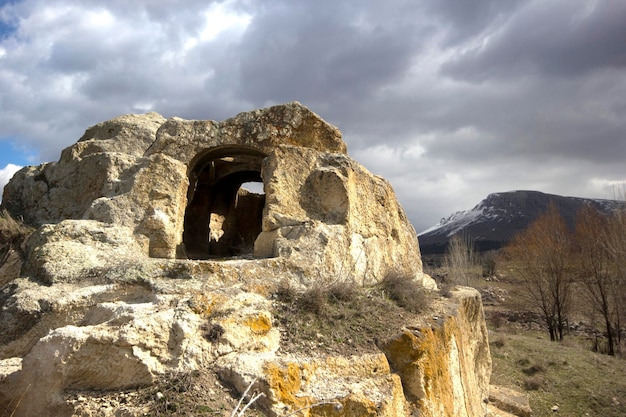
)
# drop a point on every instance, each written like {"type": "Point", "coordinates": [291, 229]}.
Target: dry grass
{"type": "Point", "coordinates": [12, 230]}
{"type": "Point", "coordinates": [342, 318]}
{"type": "Point", "coordinates": [189, 394]}
{"type": "Point", "coordinates": [405, 292]}
{"type": "Point", "coordinates": [12, 234]}
{"type": "Point", "coordinates": [319, 297]}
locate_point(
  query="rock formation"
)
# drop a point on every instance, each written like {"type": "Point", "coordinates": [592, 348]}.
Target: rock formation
{"type": "Point", "coordinates": [146, 226]}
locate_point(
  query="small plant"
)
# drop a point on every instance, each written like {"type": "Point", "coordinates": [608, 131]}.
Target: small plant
{"type": "Point", "coordinates": [445, 289]}
{"type": "Point", "coordinates": [165, 400]}
{"type": "Point", "coordinates": [499, 342]}
{"type": "Point", "coordinates": [534, 369]}
{"type": "Point", "coordinates": [212, 332]}
{"type": "Point", "coordinates": [12, 234]}
{"type": "Point", "coordinates": [405, 292]}
{"type": "Point", "coordinates": [285, 292]}
{"type": "Point", "coordinates": [319, 295]}
{"type": "Point", "coordinates": [533, 383]}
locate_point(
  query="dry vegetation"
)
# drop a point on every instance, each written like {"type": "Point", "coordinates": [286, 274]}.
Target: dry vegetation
{"type": "Point", "coordinates": [568, 374]}
{"type": "Point", "coordinates": [12, 234]}
{"type": "Point", "coordinates": [571, 281]}
{"type": "Point", "coordinates": [341, 318]}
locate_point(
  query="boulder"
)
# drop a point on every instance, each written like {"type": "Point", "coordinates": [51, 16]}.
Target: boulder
{"type": "Point", "coordinates": [153, 255]}
{"type": "Point", "coordinates": [341, 386]}
{"type": "Point", "coordinates": [506, 400]}
{"type": "Point", "coordinates": [177, 185]}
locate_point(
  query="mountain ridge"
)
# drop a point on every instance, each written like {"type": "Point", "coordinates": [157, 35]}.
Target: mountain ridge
{"type": "Point", "coordinates": [498, 217]}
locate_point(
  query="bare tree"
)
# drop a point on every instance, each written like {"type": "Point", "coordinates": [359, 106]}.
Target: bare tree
{"type": "Point", "coordinates": [597, 269]}
{"type": "Point", "coordinates": [460, 259]}
{"type": "Point", "coordinates": [615, 243]}
{"type": "Point", "coordinates": [539, 258]}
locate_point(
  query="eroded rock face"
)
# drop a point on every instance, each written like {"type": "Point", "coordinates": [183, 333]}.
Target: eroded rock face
{"type": "Point", "coordinates": [446, 368]}
{"type": "Point", "coordinates": [176, 184]}
{"type": "Point", "coordinates": [150, 258]}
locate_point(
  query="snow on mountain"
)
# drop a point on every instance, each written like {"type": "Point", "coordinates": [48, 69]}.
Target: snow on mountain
{"type": "Point", "coordinates": [496, 219]}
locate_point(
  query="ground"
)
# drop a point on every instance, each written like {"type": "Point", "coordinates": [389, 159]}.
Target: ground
{"type": "Point", "coordinates": [567, 376]}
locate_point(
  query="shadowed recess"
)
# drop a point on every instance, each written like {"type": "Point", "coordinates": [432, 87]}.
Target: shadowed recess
{"type": "Point", "coordinates": [223, 219]}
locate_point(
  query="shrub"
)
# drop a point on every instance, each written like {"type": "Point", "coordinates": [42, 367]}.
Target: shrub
{"type": "Point", "coordinates": [285, 292]}
{"type": "Point", "coordinates": [405, 291]}
{"type": "Point", "coordinates": [12, 234]}
{"type": "Point", "coordinates": [533, 383]}
{"type": "Point", "coordinates": [316, 298]}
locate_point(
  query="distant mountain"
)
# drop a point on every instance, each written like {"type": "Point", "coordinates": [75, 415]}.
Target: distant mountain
{"type": "Point", "coordinates": [496, 219]}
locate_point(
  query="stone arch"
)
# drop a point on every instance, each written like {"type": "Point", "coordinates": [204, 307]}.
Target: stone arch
{"type": "Point", "coordinates": [222, 219]}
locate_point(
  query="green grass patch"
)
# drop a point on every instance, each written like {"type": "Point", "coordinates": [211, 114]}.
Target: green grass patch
{"type": "Point", "coordinates": [581, 382]}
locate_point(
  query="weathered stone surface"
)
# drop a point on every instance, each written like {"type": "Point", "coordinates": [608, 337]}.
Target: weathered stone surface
{"type": "Point", "coordinates": [75, 249]}
{"type": "Point", "coordinates": [505, 400]}
{"type": "Point", "coordinates": [94, 167]}
{"type": "Point", "coordinates": [323, 212]}
{"type": "Point", "coordinates": [338, 386]}
{"type": "Point", "coordinates": [148, 258]}
{"type": "Point", "coordinates": [142, 342]}
{"type": "Point", "coordinates": [315, 214]}
{"type": "Point", "coordinates": [445, 367]}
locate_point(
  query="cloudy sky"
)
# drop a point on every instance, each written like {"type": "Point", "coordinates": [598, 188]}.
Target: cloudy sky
{"type": "Point", "coordinates": [450, 100]}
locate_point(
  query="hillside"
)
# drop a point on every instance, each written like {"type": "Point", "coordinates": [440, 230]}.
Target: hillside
{"type": "Point", "coordinates": [497, 218]}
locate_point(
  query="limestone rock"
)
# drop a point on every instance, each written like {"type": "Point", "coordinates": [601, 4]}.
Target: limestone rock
{"type": "Point", "coordinates": [176, 185]}
{"type": "Point", "coordinates": [152, 256]}
{"type": "Point", "coordinates": [505, 400]}
{"type": "Point", "coordinates": [339, 386]}
{"type": "Point", "coordinates": [96, 356]}
{"type": "Point", "coordinates": [446, 366]}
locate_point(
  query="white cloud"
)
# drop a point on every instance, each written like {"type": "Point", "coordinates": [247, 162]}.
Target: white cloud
{"type": "Point", "coordinates": [6, 174]}
{"type": "Point", "coordinates": [218, 18]}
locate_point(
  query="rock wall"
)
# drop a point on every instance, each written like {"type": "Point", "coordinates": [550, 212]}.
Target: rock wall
{"type": "Point", "coordinates": [136, 246]}
{"type": "Point", "coordinates": [446, 368]}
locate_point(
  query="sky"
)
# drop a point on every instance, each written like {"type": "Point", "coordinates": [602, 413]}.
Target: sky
{"type": "Point", "coordinates": [450, 100]}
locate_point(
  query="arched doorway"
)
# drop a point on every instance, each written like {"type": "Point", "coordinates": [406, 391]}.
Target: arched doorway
{"type": "Point", "coordinates": [223, 219]}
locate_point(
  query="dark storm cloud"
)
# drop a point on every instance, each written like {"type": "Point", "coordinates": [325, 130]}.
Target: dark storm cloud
{"type": "Point", "coordinates": [323, 53]}
{"type": "Point", "coordinates": [450, 100]}
{"type": "Point", "coordinates": [463, 20]}
{"type": "Point", "coordinates": [576, 119]}
{"type": "Point", "coordinates": [555, 38]}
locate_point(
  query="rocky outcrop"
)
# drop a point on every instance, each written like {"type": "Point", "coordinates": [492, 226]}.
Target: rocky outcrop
{"type": "Point", "coordinates": [438, 365]}
{"type": "Point", "coordinates": [446, 367]}
{"type": "Point", "coordinates": [151, 257]}
{"type": "Point", "coordinates": [176, 185]}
